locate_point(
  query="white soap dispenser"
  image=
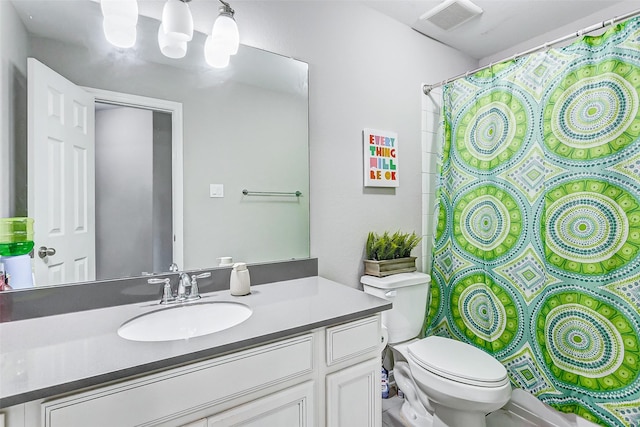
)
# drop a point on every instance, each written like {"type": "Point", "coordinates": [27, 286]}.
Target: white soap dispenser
{"type": "Point", "coordinates": [240, 280]}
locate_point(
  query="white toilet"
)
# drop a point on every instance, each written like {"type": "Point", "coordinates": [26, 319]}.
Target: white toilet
{"type": "Point", "coordinates": [445, 382]}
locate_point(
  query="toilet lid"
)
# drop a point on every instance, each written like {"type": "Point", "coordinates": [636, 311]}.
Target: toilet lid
{"type": "Point", "coordinates": [458, 361]}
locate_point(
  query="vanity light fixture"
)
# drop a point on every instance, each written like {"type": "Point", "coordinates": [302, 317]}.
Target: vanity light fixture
{"type": "Point", "coordinates": [224, 38]}
{"type": "Point", "coordinates": [226, 29]}
{"type": "Point", "coordinates": [120, 20]}
{"type": "Point", "coordinates": [177, 21]}
{"type": "Point", "coordinates": [175, 30]}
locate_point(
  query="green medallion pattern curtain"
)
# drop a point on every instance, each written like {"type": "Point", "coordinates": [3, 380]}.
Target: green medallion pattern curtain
{"type": "Point", "coordinates": [537, 247]}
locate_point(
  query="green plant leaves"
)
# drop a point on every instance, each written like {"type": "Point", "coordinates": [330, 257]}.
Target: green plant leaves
{"type": "Point", "coordinates": [390, 246]}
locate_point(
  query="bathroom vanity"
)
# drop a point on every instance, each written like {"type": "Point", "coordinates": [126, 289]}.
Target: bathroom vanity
{"type": "Point", "coordinates": [309, 355]}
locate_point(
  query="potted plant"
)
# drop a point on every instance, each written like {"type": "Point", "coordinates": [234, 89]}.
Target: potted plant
{"type": "Point", "coordinates": [390, 253]}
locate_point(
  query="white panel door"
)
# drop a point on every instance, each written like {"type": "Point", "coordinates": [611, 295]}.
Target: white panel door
{"type": "Point", "coordinates": [354, 396]}
{"type": "Point", "coordinates": [61, 176]}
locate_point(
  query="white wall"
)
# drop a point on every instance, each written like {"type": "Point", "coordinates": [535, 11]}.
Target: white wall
{"type": "Point", "coordinates": [366, 70]}
{"type": "Point", "coordinates": [124, 176]}
{"type": "Point", "coordinates": [13, 91]}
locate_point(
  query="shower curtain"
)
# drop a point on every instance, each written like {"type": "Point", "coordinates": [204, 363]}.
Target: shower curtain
{"type": "Point", "coordinates": [537, 242]}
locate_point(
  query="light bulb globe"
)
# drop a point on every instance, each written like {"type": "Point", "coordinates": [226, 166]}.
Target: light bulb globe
{"type": "Point", "coordinates": [123, 11]}
{"type": "Point", "coordinates": [225, 28]}
{"type": "Point", "coordinates": [177, 20]}
{"type": "Point", "coordinates": [171, 48]}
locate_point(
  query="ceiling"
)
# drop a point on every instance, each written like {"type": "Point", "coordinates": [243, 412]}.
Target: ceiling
{"type": "Point", "coordinates": [503, 23]}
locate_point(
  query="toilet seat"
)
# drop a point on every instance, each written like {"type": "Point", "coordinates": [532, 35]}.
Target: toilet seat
{"type": "Point", "coordinates": [458, 361]}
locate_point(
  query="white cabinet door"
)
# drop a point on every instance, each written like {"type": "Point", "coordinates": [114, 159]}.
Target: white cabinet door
{"type": "Point", "coordinates": [288, 408]}
{"type": "Point", "coordinates": [354, 396]}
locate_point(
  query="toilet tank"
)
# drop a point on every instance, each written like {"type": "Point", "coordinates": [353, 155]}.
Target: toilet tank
{"type": "Point", "coordinates": [408, 294]}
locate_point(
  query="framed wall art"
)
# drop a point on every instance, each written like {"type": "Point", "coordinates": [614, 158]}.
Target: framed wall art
{"type": "Point", "coordinates": [380, 158]}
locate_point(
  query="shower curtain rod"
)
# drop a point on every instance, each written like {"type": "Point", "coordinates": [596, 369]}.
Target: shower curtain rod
{"type": "Point", "coordinates": [427, 88]}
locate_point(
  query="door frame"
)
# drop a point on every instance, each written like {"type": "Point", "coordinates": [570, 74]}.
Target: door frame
{"type": "Point", "coordinates": [177, 163]}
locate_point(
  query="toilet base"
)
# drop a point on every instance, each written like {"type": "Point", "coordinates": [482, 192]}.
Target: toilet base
{"type": "Point", "coordinates": [411, 418]}
{"type": "Point", "coordinates": [450, 417]}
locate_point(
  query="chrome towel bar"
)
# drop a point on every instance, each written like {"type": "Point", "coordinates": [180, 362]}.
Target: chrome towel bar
{"type": "Point", "coordinates": [271, 193]}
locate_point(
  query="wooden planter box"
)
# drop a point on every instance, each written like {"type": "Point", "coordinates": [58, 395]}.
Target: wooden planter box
{"type": "Point", "coordinates": [389, 266]}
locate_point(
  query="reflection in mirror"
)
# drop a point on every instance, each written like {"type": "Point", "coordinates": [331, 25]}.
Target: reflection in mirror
{"type": "Point", "coordinates": [244, 127]}
{"type": "Point", "coordinates": [133, 161]}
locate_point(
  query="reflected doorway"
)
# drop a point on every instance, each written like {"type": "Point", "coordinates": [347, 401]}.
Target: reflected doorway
{"type": "Point", "coordinates": [133, 204]}
{"type": "Point", "coordinates": [61, 190]}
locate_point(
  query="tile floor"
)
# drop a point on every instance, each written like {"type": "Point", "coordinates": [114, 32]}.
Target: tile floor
{"type": "Point", "coordinates": [391, 410]}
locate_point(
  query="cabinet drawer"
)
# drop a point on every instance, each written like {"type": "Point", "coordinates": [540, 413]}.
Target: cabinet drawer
{"type": "Point", "coordinates": [293, 407]}
{"type": "Point", "coordinates": [180, 391]}
{"type": "Point", "coordinates": [352, 339]}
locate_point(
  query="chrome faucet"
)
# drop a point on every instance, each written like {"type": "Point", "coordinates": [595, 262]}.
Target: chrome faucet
{"type": "Point", "coordinates": [184, 282]}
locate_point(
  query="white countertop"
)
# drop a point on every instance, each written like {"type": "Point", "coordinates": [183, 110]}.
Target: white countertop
{"type": "Point", "coordinates": [50, 355]}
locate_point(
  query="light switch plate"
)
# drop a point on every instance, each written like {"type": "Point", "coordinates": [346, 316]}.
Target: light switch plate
{"type": "Point", "coordinates": [216, 190]}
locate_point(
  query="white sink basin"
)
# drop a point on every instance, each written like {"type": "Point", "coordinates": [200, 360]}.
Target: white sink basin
{"type": "Point", "coordinates": [185, 321]}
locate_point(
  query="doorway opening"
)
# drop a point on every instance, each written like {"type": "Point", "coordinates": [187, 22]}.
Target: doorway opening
{"type": "Point", "coordinates": [132, 205]}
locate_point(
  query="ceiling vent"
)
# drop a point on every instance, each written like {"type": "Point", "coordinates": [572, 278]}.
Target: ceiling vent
{"type": "Point", "coordinates": [451, 14]}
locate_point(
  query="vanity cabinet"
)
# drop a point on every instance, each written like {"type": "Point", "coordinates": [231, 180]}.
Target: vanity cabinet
{"type": "Point", "coordinates": [353, 390]}
{"type": "Point", "coordinates": [329, 376]}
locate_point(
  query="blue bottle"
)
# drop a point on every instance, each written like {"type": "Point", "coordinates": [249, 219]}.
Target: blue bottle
{"type": "Point", "coordinates": [385, 383]}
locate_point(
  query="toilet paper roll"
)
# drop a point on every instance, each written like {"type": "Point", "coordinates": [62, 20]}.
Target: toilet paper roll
{"type": "Point", "coordinates": [384, 338]}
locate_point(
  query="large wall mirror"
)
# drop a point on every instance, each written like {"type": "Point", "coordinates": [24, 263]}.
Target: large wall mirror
{"type": "Point", "coordinates": [244, 127]}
